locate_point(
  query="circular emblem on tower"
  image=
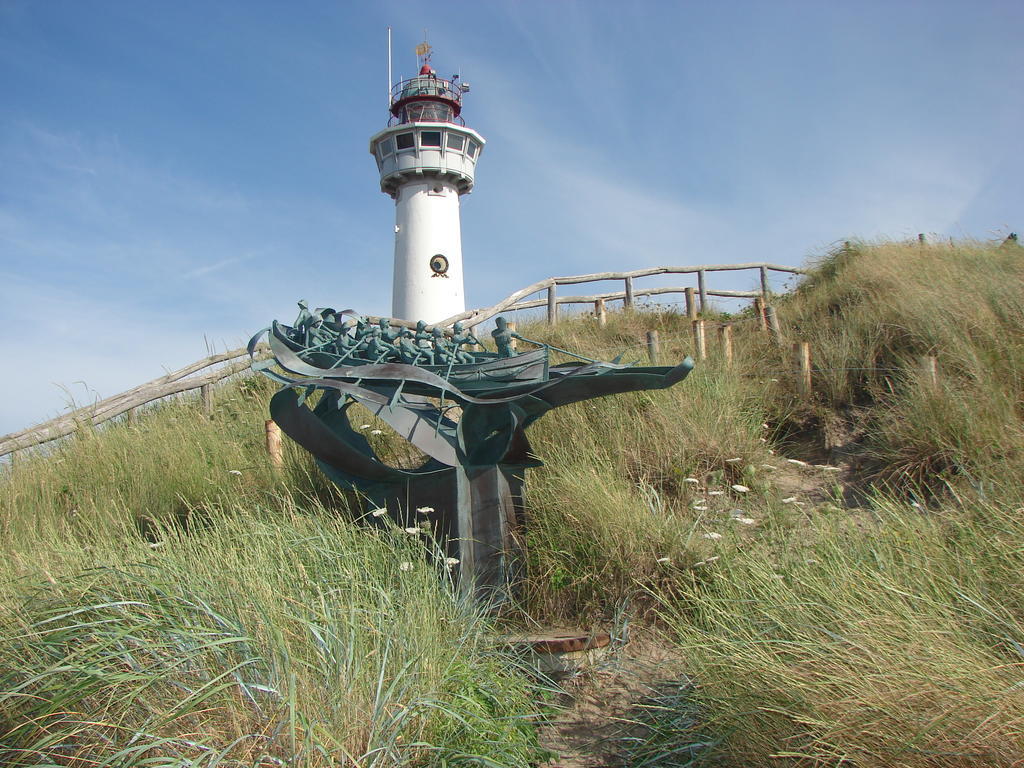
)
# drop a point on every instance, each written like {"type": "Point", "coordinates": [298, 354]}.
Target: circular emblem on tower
{"type": "Point", "coordinates": [439, 265]}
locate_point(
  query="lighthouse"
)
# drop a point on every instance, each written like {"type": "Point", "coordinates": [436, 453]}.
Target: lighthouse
{"type": "Point", "coordinates": [426, 158]}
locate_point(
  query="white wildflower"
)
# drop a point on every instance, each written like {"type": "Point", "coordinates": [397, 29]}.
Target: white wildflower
{"type": "Point", "coordinates": [664, 560]}
{"type": "Point", "coordinates": [405, 566]}
{"type": "Point", "coordinates": [424, 510]}
{"type": "Point", "coordinates": [789, 500]}
{"type": "Point", "coordinates": [745, 520]}
{"type": "Point", "coordinates": [706, 562]}
{"type": "Point", "coordinates": [234, 472]}
{"type": "Point", "coordinates": [714, 535]}
{"type": "Point", "coordinates": [740, 488]}
{"type": "Point", "coordinates": [376, 431]}
{"type": "Point", "coordinates": [379, 512]}
{"type": "Point", "coordinates": [414, 530]}
{"type": "Point", "coordinates": [692, 480]}
{"type": "Point", "coordinates": [797, 462]}
{"type": "Point", "coordinates": [700, 509]}
{"type": "Point", "coordinates": [716, 493]}
{"type": "Point", "coordinates": [451, 562]}
{"type": "Point", "coordinates": [157, 544]}
{"type": "Point", "coordinates": [364, 426]}
{"type": "Point", "coordinates": [734, 460]}
{"type": "Point", "coordinates": [765, 426]}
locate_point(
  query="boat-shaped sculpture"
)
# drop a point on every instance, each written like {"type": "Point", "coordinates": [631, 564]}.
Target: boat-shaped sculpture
{"type": "Point", "coordinates": [486, 367]}
{"type": "Point", "coordinates": [465, 408]}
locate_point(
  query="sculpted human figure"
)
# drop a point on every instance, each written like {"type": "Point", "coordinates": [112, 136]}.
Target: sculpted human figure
{"type": "Point", "coordinates": [424, 339]}
{"type": "Point", "coordinates": [409, 352]}
{"type": "Point", "coordinates": [302, 323]}
{"type": "Point", "coordinates": [444, 351]}
{"type": "Point", "coordinates": [362, 331]}
{"type": "Point", "coordinates": [321, 332]}
{"type": "Point", "coordinates": [388, 333]}
{"type": "Point", "coordinates": [345, 343]}
{"type": "Point", "coordinates": [503, 336]}
{"type": "Point", "coordinates": [460, 337]}
{"type": "Point", "coordinates": [377, 348]}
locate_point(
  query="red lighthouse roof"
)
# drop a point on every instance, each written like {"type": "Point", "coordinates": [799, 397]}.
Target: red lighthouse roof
{"type": "Point", "coordinates": [426, 98]}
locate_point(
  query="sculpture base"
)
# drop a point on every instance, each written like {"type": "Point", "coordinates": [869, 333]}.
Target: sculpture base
{"type": "Point", "coordinates": [476, 514]}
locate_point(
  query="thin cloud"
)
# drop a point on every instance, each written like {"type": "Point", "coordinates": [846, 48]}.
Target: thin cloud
{"type": "Point", "coordinates": [215, 267]}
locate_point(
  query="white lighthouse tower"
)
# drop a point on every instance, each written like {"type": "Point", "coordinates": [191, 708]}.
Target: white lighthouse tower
{"type": "Point", "coordinates": [427, 157]}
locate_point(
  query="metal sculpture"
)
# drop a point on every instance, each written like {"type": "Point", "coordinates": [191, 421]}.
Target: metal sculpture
{"type": "Point", "coordinates": [466, 410]}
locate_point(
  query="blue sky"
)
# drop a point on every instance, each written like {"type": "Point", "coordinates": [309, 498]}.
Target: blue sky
{"type": "Point", "coordinates": [173, 175]}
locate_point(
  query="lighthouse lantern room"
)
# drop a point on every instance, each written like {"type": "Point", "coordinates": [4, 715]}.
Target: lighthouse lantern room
{"type": "Point", "coordinates": [427, 157]}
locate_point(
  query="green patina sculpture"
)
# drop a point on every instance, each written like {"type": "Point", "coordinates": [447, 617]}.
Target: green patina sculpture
{"type": "Point", "coordinates": [416, 381]}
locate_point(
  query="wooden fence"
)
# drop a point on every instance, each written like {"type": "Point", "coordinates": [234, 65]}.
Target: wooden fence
{"type": "Point", "coordinates": [629, 293]}
{"type": "Point", "coordinates": [189, 378]}
{"type": "Point", "coordinates": [96, 413]}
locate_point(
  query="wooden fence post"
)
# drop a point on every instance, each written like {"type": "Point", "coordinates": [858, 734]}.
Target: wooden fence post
{"type": "Point", "coordinates": [930, 371]}
{"type": "Point", "coordinates": [274, 445]}
{"type": "Point", "coordinates": [652, 346]}
{"type": "Point", "coordinates": [773, 324]}
{"type": "Point", "coordinates": [762, 321]}
{"type": "Point", "coordinates": [131, 417]}
{"type": "Point", "coordinates": [725, 339]}
{"type": "Point", "coordinates": [691, 305]}
{"type": "Point", "coordinates": [764, 283]}
{"type": "Point", "coordinates": [552, 305]}
{"type": "Point", "coordinates": [628, 301]}
{"type": "Point", "coordinates": [206, 393]}
{"type": "Point", "coordinates": [698, 339]}
{"type": "Point", "coordinates": [703, 290]}
{"type": "Point", "coordinates": [802, 350]}
{"type": "Point", "coordinates": [512, 343]}
{"type": "Point", "coordinates": [600, 313]}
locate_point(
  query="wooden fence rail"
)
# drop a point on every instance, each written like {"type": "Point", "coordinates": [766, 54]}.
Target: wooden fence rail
{"type": "Point", "coordinates": [474, 317]}
{"type": "Point", "coordinates": [111, 407]}
{"type": "Point", "coordinates": [184, 379]}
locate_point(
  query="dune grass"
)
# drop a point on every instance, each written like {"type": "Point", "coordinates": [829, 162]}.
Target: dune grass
{"type": "Point", "coordinates": [166, 599]}
{"type": "Point", "coordinates": [889, 635]}
{"type": "Point", "coordinates": [871, 312]}
{"type": "Point", "coordinates": [270, 637]}
{"type": "Point", "coordinates": [896, 642]}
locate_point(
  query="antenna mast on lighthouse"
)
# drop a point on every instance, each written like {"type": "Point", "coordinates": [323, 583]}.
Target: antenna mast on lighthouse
{"type": "Point", "coordinates": [427, 160]}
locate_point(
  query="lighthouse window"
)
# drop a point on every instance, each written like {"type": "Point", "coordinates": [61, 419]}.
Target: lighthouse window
{"type": "Point", "coordinates": [430, 139]}
{"type": "Point", "coordinates": [456, 142]}
{"type": "Point", "coordinates": [404, 141]}
{"type": "Point", "coordinates": [472, 148]}
{"type": "Point", "coordinates": [386, 147]}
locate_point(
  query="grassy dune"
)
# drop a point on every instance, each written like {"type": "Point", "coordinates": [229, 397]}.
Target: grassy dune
{"type": "Point", "coordinates": [166, 600]}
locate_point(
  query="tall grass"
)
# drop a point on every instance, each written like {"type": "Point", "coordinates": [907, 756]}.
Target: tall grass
{"type": "Point", "coordinates": [267, 638]}
{"type": "Point", "coordinates": [894, 643]}
{"type": "Point", "coordinates": [613, 509]}
{"type": "Point", "coordinates": [870, 313]}
{"type": "Point", "coordinates": [166, 599]}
